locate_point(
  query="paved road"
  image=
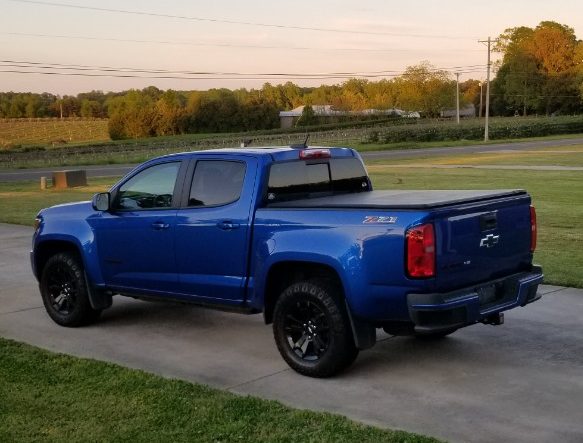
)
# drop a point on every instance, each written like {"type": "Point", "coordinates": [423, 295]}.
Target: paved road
{"type": "Point", "coordinates": [118, 170]}
{"type": "Point", "coordinates": [7, 175]}
{"type": "Point", "coordinates": [521, 382]}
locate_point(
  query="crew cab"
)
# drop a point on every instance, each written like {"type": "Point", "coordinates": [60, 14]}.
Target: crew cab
{"type": "Point", "coordinates": [298, 234]}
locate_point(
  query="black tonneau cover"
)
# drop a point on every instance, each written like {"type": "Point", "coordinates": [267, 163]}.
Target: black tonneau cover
{"type": "Point", "coordinates": [398, 199]}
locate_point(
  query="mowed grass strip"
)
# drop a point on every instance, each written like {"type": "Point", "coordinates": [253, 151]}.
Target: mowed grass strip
{"type": "Point", "coordinates": [556, 196]}
{"type": "Point", "coordinates": [53, 397]}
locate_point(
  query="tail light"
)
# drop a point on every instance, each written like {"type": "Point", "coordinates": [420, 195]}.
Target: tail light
{"type": "Point", "coordinates": [533, 229]}
{"type": "Point", "coordinates": [420, 253]}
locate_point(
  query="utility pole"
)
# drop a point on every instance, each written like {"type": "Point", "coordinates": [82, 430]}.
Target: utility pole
{"type": "Point", "coordinates": [457, 96]}
{"type": "Point", "coordinates": [481, 95]}
{"type": "Point", "coordinates": [489, 42]}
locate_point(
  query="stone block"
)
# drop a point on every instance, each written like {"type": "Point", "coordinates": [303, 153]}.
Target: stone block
{"type": "Point", "coordinates": [69, 179]}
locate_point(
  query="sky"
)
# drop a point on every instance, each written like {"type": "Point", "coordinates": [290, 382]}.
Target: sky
{"type": "Point", "coordinates": [310, 42]}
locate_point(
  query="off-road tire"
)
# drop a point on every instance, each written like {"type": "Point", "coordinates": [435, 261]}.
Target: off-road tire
{"type": "Point", "coordinates": [64, 291]}
{"type": "Point", "coordinates": [325, 311]}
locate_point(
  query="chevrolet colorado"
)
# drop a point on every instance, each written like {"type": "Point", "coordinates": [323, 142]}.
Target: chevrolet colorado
{"type": "Point", "coordinates": [298, 234]}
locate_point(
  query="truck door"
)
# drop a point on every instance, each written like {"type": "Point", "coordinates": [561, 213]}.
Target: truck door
{"type": "Point", "coordinates": [135, 240]}
{"type": "Point", "coordinates": [213, 229]}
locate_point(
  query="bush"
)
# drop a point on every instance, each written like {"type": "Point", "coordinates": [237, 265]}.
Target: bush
{"type": "Point", "coordinates": [115, 127]}
{"type": "Point", "coordinates": [474, 130]}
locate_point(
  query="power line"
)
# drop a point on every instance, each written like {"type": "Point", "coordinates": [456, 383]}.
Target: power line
{"type": "Point", "coordinates": [220, 45]}
{"type": "Point", "coordinates": [177, 77]}
{"type": "Point", "coordinates": [111, 69]}
{"type": "Point", "coordinates": [237, 22]}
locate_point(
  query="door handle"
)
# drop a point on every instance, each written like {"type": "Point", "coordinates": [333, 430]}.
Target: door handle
{"type": "Point", "coordinates": [227, 225]}
{"type": "Point", "coordinates": [158, 226]}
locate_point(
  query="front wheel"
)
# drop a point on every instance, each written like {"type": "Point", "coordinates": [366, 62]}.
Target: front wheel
{"type": "Point", "coordinates": [64, 291]}
{"type": "Point", "coordinates": [312, 330]}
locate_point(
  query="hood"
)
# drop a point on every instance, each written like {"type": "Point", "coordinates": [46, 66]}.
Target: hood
{"type": "Point", "coordinates": [74, 208]}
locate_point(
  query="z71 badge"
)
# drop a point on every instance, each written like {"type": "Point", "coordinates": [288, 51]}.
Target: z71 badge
{"type": "Point", "coordinates": [378, 219]}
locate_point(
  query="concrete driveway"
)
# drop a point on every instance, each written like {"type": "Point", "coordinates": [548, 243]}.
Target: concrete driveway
{"type": "Point", "coordinates": [521, 382]}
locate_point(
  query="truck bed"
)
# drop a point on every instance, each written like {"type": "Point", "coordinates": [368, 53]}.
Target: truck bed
{"type": "Point", "coordinates": [399, 199]}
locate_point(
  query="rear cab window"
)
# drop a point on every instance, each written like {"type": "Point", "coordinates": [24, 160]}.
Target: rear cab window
{"type": "Point", "coordinates": [300, 179]}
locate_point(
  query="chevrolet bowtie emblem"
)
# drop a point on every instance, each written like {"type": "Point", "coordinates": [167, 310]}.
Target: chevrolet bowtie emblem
{"type": "Point", "coordinates": [489, 241]}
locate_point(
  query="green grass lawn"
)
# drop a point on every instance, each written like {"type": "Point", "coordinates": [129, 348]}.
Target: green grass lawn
{"type": "Point", "coordinates": [21, 201]}
{"type": "Point", "coordinates": [53, 397]}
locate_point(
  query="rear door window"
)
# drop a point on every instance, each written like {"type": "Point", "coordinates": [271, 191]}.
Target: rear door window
{"type": "Point", "coordinates": [216, 182]}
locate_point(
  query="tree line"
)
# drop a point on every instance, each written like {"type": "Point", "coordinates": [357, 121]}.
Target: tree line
{"type": "Point", "coordinates": [541, 72]}
{"type": "Point", "coordinates": [151, 111]}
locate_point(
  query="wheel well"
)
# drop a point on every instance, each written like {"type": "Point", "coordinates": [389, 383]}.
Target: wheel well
{"type": "Point", "coordinates": [283, 274]}
{"type": "Point", "coordinates": [47, 249]}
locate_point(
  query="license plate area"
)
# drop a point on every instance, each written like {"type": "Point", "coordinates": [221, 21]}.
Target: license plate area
{"type": "Point", "coordinates": [497, 293]}
{"type": "Point", "coordinates": [490, 294]}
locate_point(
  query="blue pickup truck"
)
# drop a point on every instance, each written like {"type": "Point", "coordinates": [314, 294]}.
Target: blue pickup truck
{"type": "Point", "coordinates": [298, 234]}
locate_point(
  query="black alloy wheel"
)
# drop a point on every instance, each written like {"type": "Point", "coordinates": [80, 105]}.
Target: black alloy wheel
{"type": "Point", "coordinates": [307, 330]}
{"type": "Point", "coordinates": [62, 289]}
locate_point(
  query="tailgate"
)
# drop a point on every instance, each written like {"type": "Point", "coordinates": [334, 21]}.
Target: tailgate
{"type": "Point", "coordinates": [483, 242]}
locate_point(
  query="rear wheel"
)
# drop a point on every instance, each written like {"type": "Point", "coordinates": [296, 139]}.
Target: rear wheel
{"type": "Point", "coordinates": [64, 291]}
{"type": "Point", "coordinates": [312, 330]}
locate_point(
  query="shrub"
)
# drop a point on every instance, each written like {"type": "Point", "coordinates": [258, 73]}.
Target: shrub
{"type": "Point", "coordinates": [474, 130]}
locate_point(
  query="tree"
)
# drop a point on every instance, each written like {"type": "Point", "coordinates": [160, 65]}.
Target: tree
{"type": "Point", "coordinates": [553, 46]}
{"type": "Point", "coordinates": [426, 89]}
{"type": "Point", "coordinates": [382, 94]}
{"type": "Point", "coordinates": [131, 116]}
{"type": "Point", "coordinates": [93, 104]}
{"type": "Point", "coordinates": [91, 109]}
{"type": "Point", "coordinates": [170, 113]}
{"type": "Point", "coordinates": [539, 70]}
{"type": "Point", "coordinates": [308, 116]}
{"type": "Point", "coordinates": [353, 96]}
{"type": "Point", "coordinates": [470, 93]}
{"type": "Point", "coordinates": [17, 107]}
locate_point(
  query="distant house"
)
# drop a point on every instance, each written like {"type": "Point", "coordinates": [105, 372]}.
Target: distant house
{"type": "Point", "coordinates": [289, 118]}
{"type": "Point", "coordinates": [466, 111]}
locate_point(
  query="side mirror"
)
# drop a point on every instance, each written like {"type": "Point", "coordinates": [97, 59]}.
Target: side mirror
{"type": "Point", "coordinates": [101, 201]}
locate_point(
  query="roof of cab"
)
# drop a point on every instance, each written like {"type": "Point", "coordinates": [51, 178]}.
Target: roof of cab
{"type": "Point", "coordinates": [277, 153]}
